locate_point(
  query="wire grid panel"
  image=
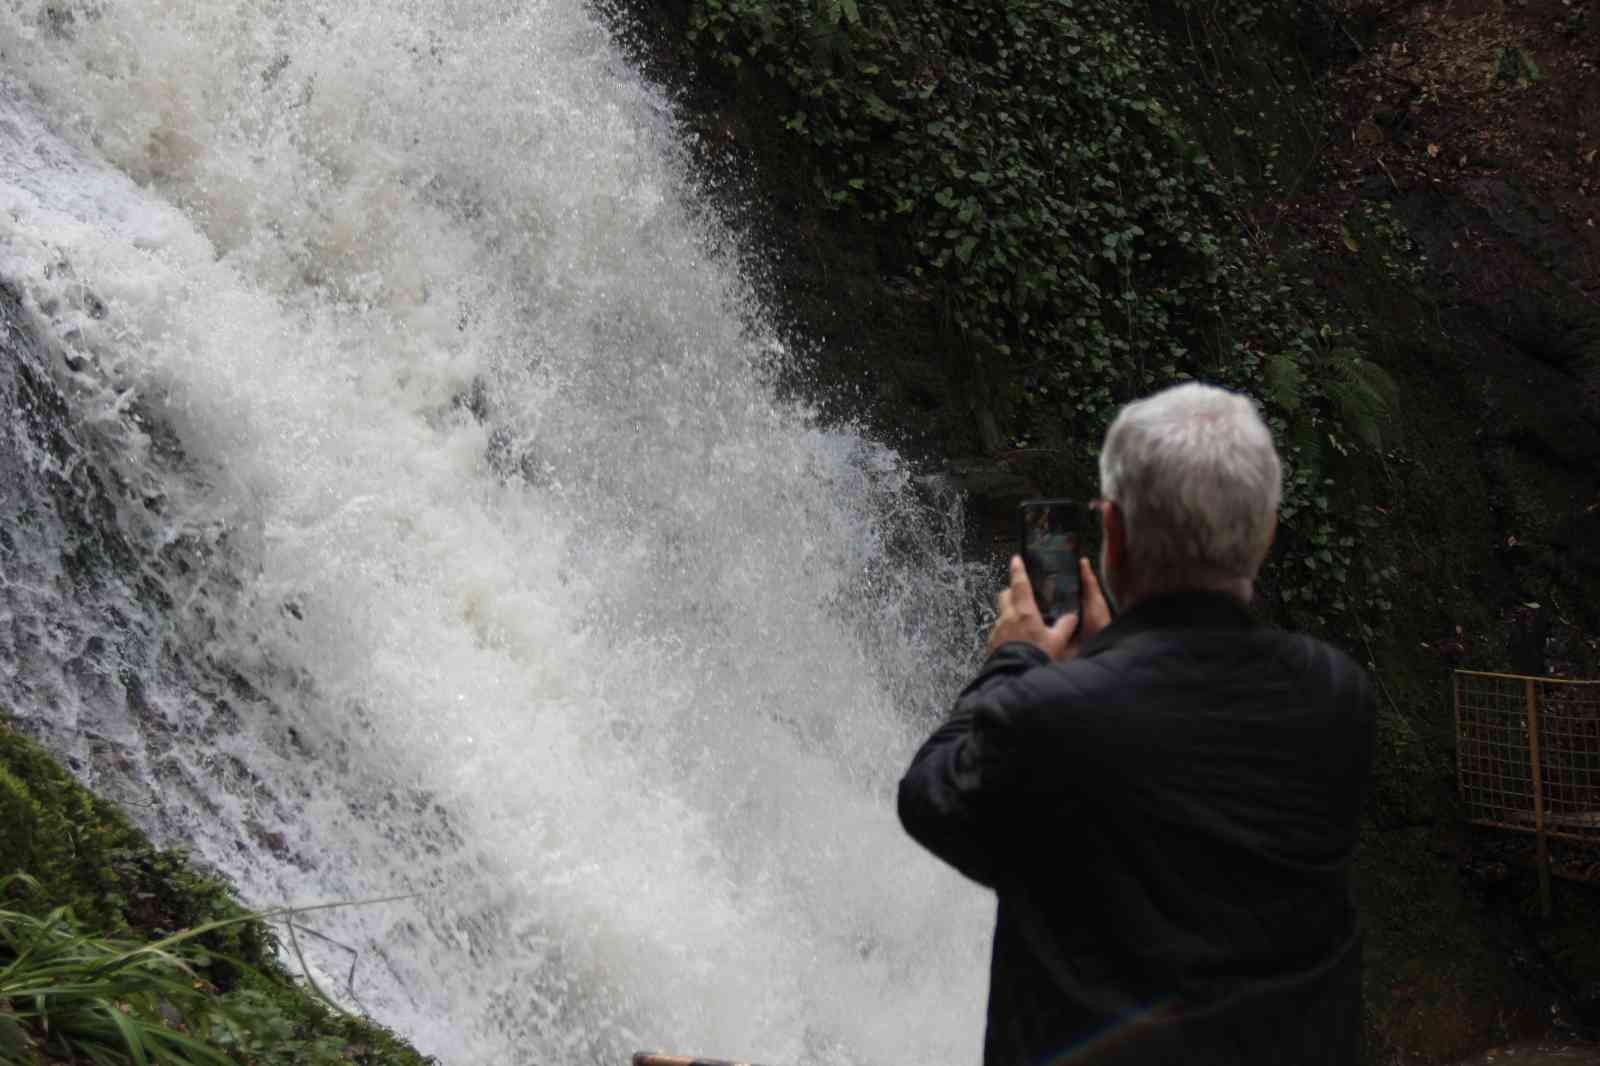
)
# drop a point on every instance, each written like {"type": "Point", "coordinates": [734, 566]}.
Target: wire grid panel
{"type": "Point", "coordinates": [1569, 758]}
{"type": "Point", "coordinates": [1494, 753]}
{"type": "Point", "coordinates": [1494, 762]}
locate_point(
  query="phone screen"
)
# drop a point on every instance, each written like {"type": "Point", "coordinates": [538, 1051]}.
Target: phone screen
{"type": "Point", "coordinates": [1050, 538]}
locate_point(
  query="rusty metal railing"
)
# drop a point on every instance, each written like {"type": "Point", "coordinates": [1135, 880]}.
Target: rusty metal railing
{"type": "Point", "coordinates": [1528, 757]}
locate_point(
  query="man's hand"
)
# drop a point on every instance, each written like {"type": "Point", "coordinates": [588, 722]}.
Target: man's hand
{"type": "Point", "coordinates": [1020, 619]}
{"type": "Point", "coordinates": [1094, 613]}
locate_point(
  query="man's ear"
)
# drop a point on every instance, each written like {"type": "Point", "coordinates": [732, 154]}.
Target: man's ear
{"type": "Point", "coordinates": [1115, 535]}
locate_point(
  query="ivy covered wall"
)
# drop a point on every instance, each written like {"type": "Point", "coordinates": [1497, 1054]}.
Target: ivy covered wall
{"type": "Point", "coordinates": [1064, 223]}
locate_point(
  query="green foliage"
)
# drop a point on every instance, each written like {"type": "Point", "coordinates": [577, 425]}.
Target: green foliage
{"type": "Point", "coordinates": [1390, 251]}
{"type": "Point", "coordinates": [67, 993]}
{"type": "Point", "coordinates": [58, 833]}
{"type": "Point", "coordinates": [1515, 67]}
{"type": "Point", "coordinates": [1365, 397]}
{"type": "Point", "coordinates": [110, 945]}
{"type": "Point", "coordinates": [1403, 766]}
{"type": "Point", "coordinates": [1031, 170]}
{"type": "Point", "coordinates": [16, 821]}
{"type": "Point", "coordinates": [1017, 152]}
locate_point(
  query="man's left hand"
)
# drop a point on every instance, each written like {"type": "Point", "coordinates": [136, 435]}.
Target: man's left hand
{"type": "Point", "coordinates": [1020, 619]}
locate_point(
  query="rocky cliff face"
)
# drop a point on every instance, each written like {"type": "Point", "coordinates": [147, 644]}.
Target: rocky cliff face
{"type": "Point", "coordinates": [1478, 123]}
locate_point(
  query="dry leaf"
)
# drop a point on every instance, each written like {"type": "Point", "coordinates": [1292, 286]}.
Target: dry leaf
{"type": "Point", "coordinates": [1433, 151]}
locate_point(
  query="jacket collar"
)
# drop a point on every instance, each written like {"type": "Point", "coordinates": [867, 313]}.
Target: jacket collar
{"type": "Point", "coordinates": [1188, 609]}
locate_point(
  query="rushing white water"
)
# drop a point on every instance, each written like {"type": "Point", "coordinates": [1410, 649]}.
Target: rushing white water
{"type": "Point", "coordinates": [419, 519]}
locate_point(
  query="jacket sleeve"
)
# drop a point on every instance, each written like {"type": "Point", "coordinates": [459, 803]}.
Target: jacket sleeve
{"type": "Point", "coordinates": [959, 798]}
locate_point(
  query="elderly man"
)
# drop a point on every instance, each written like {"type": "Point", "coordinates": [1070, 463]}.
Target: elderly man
{"type": "Point", "coordinates": [1167, 804]}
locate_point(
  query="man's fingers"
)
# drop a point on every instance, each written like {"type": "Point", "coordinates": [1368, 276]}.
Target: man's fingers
{"type": "Point", "coordinates": [1095, 610]}
{"type": "Point", "coordinates": [1021, 588]}
{"type": "Point", "coordinates": [1059, 636]}
{"type": "Point", "coordinates": [1087, 578]}
{"type": "Point", "coordinates": [1092, 598]}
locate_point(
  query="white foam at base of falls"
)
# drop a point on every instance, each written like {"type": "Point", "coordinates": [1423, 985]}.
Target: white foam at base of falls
{"type": "Point", "coordinates": [400, 320]}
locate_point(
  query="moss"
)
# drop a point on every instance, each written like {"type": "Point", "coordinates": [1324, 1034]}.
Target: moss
{"type": "Point", "coordinates": [85, 855]}
{"type": "Point", "coordinates": [16, 821]}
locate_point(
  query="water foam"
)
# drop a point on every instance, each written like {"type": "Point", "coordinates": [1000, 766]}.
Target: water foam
{"type": "Point", "coordinates": [526, 596]}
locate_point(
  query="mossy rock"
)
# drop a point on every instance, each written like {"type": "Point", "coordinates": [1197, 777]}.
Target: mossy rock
{"type": "Point", "coordinates": [83, 854]}
{"type": "Point", "coordinates": [86, 855]}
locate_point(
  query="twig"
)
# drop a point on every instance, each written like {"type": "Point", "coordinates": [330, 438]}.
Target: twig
{"type": "Point", "coordinates": [1346, 31]}
{"type": "Point", "coordinates": [1385, 167]}
{"type": "Point", "coordinates": [288, 915]}
{"type": "Point", "coordinates": [305, 968]}
{"type": "Point", "coordinates": [355, 956]}
{"type": "Point", "coordinates": [1373, 659]}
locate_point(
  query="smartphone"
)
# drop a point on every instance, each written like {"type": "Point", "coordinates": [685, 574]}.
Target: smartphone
{"type": "Point", "coordinates": [1051, 534]}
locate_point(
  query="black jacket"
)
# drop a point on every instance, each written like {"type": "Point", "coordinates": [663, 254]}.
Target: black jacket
{"type": "Point", "coordinates": [1168, 821]}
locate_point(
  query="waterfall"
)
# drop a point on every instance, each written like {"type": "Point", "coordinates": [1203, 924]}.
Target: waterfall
{"type": "Point", "coordinates": [395, 501]}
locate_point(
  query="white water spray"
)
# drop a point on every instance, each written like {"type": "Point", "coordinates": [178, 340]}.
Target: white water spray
{"type": "Point", "coordinates": [475, 558]}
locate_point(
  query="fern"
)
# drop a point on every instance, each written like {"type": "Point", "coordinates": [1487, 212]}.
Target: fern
{"type": "Point", "coordinates": [1365, 397]}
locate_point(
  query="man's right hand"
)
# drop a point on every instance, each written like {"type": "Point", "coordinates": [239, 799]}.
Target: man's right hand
{"type": "Point", "coordinates": [1094, 614]}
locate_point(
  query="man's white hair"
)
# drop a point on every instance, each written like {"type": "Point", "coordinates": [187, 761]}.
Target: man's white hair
{"type": "Point", "coordinates": [1198, 482]}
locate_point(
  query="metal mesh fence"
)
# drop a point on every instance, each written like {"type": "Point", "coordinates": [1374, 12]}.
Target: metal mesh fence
{"type": "Point", "coordinates": [1505, 726]}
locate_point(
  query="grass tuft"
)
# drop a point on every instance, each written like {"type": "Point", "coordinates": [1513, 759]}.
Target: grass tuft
{"type": "Point", "coordinates": [67, 993]}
